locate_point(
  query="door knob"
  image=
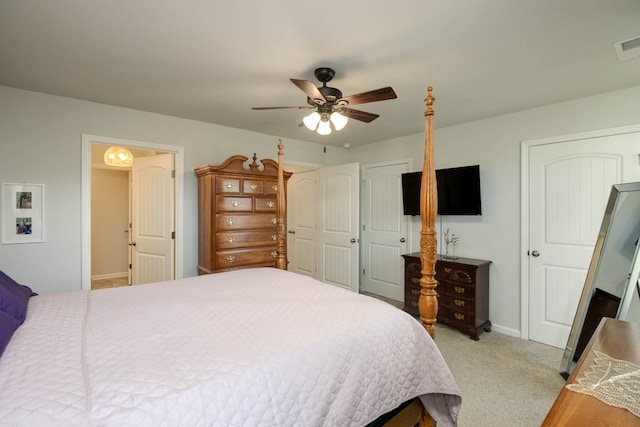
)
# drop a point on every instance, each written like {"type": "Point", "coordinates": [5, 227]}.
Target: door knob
{"type": "Point", "coordinates": [353, 240]}
{"type": "Point", "coordinates": [402, 240]}
{"type": "Point", "coordinates": [535, 253]}
{"type": "Point", "coordinates": [291, 232]}
{"type": "Point", "coordinates": [132, 244]}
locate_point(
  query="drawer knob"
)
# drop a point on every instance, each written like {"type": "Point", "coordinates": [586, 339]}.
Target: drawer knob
{"type": "Point", "coordinates": [235, 203]}
{"type": "Point", "coordinates": [273, 237]}
{"type": "Point", "coordinates": [447, 270]}
{"type": "Point", "coordinates": [229, 185]}
{"type": "Point", "coordinates": [414, 303]}
{"type": "Point", "coordinates": [274, 254]}
{"type": "Point", "coordinates": [458, 302]}
{"type": "Point", "coordinates": [459, 316]}
{"type": "Point", "coordinates": [415, 280]}
{"type": "Point", "coordinates": [459, 289]}
{"type": "Point", "coordinates": [230, 240]}
{"type": "Point", "coordinates": [415, 291]}
{"type": "Point", "coordinates": [229, 222]}
{"type": "Point", "coordinates": [230, 258]}
{"type": "Point", "coordinates": [275, 187]}
{"type": "Point", "coordinates": [253, 186]}
{"type": "Point", "coordinates": [274, 221]}
{"type": "Point", "coordinates": [271, 204]}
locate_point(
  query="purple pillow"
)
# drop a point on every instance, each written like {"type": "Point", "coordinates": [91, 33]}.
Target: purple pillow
{"type": "Point", "coordinates": [14, 298]}
{"type": "Point", "coordinates": [8, 324]}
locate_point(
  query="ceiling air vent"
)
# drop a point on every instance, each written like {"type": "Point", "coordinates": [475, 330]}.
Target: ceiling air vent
{"type": "Point", "coordinates": [628, 49]}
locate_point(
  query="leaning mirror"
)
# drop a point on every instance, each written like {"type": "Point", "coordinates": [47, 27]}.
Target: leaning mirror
{"type": "Point", "coordinates": [613, 272]}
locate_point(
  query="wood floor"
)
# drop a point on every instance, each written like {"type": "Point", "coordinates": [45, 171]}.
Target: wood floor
{"type": "Point", "coordinates": [115, 282]}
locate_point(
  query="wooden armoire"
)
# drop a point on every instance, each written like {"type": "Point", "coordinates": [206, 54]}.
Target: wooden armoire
{"type": "Point", "coordinates": [237, 214]}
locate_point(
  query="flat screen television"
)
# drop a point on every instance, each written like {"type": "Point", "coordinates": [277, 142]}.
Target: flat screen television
{"type": "Point", "coordinates": [458, 191]}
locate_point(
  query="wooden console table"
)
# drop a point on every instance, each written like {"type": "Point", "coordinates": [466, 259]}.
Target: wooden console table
{"type": "Point", "coordinates": [617, 339]}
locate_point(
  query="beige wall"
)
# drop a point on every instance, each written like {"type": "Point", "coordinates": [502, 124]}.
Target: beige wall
{"type": "Point", "coordinates": [109, 220]}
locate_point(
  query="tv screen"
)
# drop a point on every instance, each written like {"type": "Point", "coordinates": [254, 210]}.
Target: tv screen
{"type": "Point", "coordinates": [411, 192]}
{"type": "Point", "coordinates": [458, 191]}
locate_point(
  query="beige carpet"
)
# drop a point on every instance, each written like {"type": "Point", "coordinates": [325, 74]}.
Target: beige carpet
{"type": "Point", "coordinates": [505, 381]}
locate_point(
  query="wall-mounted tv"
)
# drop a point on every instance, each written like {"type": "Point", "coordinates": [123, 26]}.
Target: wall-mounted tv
{"type": "Point", "coordinates": [458, 191]}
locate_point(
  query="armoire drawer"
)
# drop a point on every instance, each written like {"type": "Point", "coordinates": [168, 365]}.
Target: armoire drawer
{"type": "Point", "coordinates": [271, 187]}
{"type": "Point", "coordinates": [264, 204]}
{"type": "Point", "coordinates": [227, 222]}
{"type": "Point", "coordinates": [243, 239]}
{"type": "Point", "coordinates": [234, 204]}
{"type": "Point", "coordinates": [253, 186]}
{"type": "Point", "coordinates": [232, 259]}
{"type": "Point", "coordinates": [227, 185]}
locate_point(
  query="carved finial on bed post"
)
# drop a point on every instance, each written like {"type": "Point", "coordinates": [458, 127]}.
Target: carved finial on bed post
{"type": "Point", "coordinates": [428, 302]}
{"type": "Point", "coordinates": [281, 206]}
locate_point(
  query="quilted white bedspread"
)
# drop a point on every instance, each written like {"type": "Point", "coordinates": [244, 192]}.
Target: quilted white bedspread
{"type": "Point", "coordinates": [254, 347]}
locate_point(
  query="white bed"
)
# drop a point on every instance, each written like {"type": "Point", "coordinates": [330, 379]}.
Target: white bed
{"type": "Point", "coordinates": [253, 347]}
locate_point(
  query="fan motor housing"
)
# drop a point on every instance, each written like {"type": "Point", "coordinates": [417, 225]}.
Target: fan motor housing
{"type": "Point", "coordinates": [331, 95]}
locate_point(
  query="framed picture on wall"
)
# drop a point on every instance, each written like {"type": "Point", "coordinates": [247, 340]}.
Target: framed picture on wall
{"type": "Point", "coordinates": [22, 213]}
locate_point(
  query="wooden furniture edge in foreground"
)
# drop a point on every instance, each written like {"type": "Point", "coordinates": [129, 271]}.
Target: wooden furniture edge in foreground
{"type": "Point", "coordinates": [617, 339]}
{"type": "Point", "coordinates": [409, 414]}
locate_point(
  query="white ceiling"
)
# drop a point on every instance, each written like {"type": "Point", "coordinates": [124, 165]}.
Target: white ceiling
{"type": "Point", "coordinates": [212, 61]}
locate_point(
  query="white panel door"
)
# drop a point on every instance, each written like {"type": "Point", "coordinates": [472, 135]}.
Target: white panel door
{"type": "Point", "coordinates": [302, 193]}
{"type": "Point", "coordinates": [384, 234]}
{"type": "Point", "coordinates": [338, 225]}
{"type": "Point", "coordinates": [569, 185]}
{"type": "Point", "coordinates": [152, 219]}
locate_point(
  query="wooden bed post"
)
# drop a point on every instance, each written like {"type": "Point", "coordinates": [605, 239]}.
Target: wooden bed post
{"type": "Point", "coordinates": [428, 301]}
{"type": "Point", "coordinates": [281, 212]}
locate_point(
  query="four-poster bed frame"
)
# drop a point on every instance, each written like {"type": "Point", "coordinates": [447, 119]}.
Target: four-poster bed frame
{"type": "Point", "coordinates": [414, 413]}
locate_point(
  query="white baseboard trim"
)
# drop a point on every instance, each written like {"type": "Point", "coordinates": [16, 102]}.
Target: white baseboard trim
{"type": "Point", "coordinates": [109, 276]}
{"type": "Point", "coordinates": [507, 331]}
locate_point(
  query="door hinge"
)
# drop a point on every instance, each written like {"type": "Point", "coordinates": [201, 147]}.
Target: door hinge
{"type": "Point", "coordinates": [173, 234]}
{"type": "Point", "coordinates": [129, 266]}
{"type": "Point", "coordinates": [364, 227]}
{"type": "Point", "coordinates": [173, 173]}
{"type": "Point", "coordinates": [363, 271]}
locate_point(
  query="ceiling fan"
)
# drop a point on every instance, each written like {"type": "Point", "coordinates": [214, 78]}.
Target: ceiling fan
{"type": "Point", "coordinates": [329, 104]}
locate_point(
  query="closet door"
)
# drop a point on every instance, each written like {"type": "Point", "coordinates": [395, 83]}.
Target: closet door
{"type": "Point", "coordinates": [301, 221]}
{"type": "Point", "coordinates": [569, 185]}
{"type": "Point", "coordinates": [385, 237]}
{"type": "Point", "coordinates": [338, 225]}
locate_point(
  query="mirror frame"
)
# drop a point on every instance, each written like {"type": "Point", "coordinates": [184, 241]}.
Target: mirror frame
{"type": "Point", "coordinates": [588, 290]}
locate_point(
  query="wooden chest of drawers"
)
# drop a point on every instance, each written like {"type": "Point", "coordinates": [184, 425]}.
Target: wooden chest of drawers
{"type": "Point", "coordinates": [463, 291]}
{"type": "Point", "coordinates": [237, 214]}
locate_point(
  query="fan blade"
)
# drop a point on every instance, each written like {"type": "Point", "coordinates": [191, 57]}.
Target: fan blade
{"type": "Point", "coordinates": [363, 116]}
{"type": "Point", "coordinates": [381, 94]}
{"type": "Point", "coordinates": [305, 107]}
{"type": "Point", "coordinates": [310, 89]}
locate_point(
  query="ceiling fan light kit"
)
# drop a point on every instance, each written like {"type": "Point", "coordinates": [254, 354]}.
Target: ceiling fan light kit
{"type": "Point", "coordinates": [321, 122]}
{"type": "Point", "coordinates": [331, 108]}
